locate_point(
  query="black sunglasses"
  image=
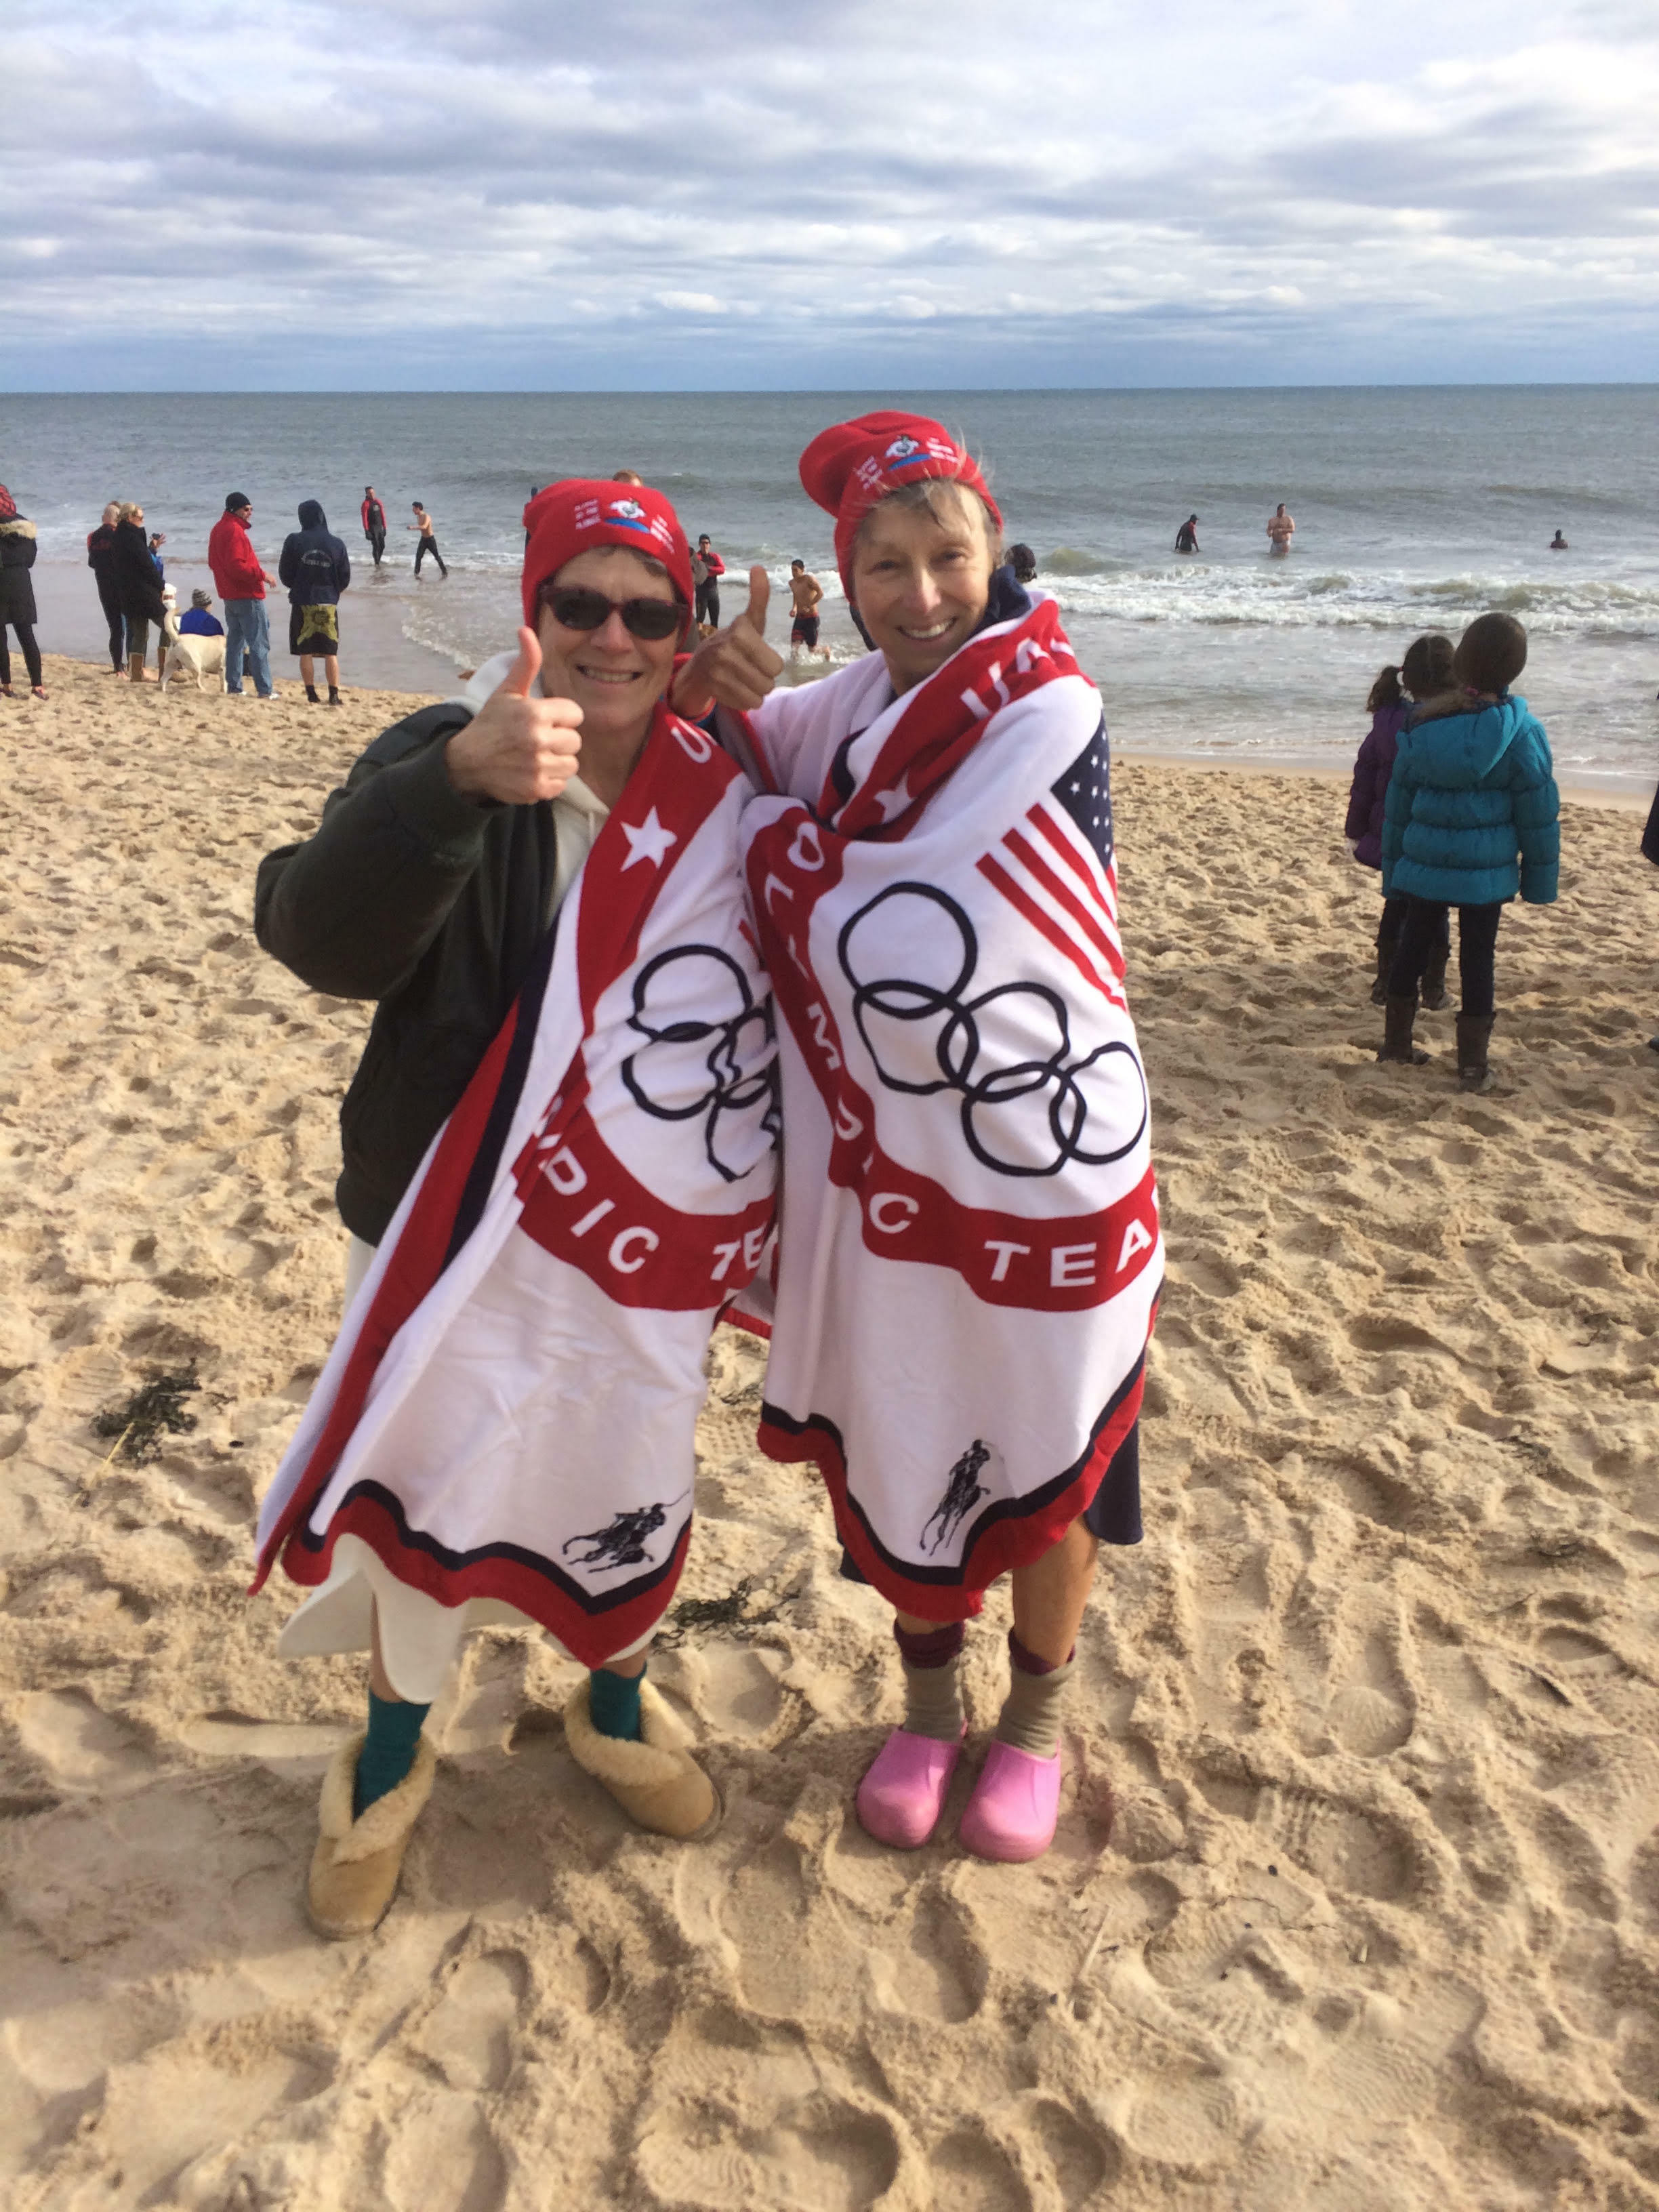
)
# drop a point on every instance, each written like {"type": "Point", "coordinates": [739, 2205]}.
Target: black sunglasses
{"type": "Point", "coordinates": [575, 607]}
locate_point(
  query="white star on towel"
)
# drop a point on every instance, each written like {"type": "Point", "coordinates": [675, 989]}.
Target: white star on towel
{"type": "Point", "coordinates": [895, 802]}
{"type": "Point", "coordinates": [650, 841]}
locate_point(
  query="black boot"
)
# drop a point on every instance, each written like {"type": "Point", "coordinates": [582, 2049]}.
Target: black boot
{"type": "Point", "coordinates": [1399, 1015]}
{"type": "Point", "coordinates": [1473, 1035]}
{"type": "Point", "coordinates": [311, 694]}
{"type": "Point", "coordinates": [1385, 952]}
{"type": "Point", "coordinates": [334, 698]}
{"type": "Point", "coordinates": [1434, 979]}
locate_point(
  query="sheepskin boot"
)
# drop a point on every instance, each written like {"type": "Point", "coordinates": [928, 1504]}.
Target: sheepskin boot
{"type": "Point", "coordinates": [356, 1863]}
{"type": "Point", "coordinates": [1385, 949]}
{"type": "Point", "coordinates": [1433, 993]}
{"type": "Point", "coordinates": [1473, 1035]}
{"type": "Point", "coordinates": [1398, 1018]}
{"type": "Point", "coordinates": [656, 1781]}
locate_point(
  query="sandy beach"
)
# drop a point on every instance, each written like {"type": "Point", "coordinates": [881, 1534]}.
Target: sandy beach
{"type": "Point", "coordinates": [1374, 1927]}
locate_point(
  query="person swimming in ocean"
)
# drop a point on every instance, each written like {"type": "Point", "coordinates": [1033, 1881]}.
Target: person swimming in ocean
{"type": "Point", "coordinates": [1558, 543]}
{"type": "Point", "coordinates": [1281, 528]}
{"type": "Point", "coordinates": [1186, 536]}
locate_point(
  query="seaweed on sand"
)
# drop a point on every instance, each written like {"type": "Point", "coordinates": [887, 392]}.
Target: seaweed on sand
{"type": "Point", "coordinates": [732, 1611]}
{"type": "Point", "coordinates": [155, 1410]}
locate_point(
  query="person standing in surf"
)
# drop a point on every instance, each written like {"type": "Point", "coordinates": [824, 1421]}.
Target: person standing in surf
{"type": "Point", "coordinates": [970, 1254]}
{"type": "Point", "coordinates": [1281, 528]}
{"type": "Point", "coordinates": [558, 1165]}
{"type": "Point", "coordinates": [374, 520]}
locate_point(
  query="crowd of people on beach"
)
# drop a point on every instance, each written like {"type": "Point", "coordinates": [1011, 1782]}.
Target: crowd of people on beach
{"type": "Point", "coordinates": [137, 598]}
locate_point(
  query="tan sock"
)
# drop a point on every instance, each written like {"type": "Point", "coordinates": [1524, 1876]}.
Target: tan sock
{"type": "Point", "coordinates": [931, 1659]}
{"type": "Point", "coordinates": [1030, 1712]}
{"type": "Point", "coordinates": [932, 1700]}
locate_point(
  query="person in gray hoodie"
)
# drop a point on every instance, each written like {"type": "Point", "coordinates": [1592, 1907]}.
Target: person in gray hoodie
{"type": "Point", "coordinates": [316, 567]}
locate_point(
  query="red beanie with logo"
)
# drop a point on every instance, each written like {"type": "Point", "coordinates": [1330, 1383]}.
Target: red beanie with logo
{"type": "Point", "coordinates": [857, 465]}
{"type": "Point", "coordinates": [568, 518]}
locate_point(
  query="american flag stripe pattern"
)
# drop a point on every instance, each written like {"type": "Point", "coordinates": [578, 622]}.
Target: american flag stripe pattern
{"type": "Point", "coordinates": [1055, 868]}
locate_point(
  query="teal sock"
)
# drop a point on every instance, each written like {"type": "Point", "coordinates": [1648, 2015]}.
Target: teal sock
{"type": "Point", "coordinates": [388, 1752]}
{"type": "Point", "coordinates": [613, 1703]}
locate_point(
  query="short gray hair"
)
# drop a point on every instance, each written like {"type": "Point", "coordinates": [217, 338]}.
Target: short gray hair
{"type": "Point", "coordinates": [913, 498]}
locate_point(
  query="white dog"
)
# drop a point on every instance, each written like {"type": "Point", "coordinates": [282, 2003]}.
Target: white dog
{"type": "Point", "coordinates": [200, 657]}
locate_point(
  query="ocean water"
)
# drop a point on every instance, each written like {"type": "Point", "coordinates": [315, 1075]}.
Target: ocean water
{"type": "Point", "coordinates": [1415, 509]}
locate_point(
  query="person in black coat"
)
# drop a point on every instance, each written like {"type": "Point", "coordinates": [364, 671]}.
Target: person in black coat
{"type": "Point", "coordinates": [316, 568]}
{"type": "Point", "coordinates": [139, 592]}
{"type": "Point", "coordinates": [101, 559]}
{"type": "Point", "coordinates": [17, 594]}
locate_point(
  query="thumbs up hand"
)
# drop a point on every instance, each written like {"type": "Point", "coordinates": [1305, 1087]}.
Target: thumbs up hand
{"type": "Point", "coordinates": [734, 668]}
{"type": "Point", "coordinates": [519, 747]}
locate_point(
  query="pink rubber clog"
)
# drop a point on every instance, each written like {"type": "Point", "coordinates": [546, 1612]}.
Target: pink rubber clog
{"type": "Point", "coordinates": [902, 1796]}
{"type": "Point", "coordinates": [1015, 1804]}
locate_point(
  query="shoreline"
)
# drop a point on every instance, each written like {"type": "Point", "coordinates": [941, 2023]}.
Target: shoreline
{"type": "Point", "coordinates": [1622, 794]}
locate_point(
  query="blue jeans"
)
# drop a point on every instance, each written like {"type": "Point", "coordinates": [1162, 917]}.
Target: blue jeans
{"type": "Point", "coordinates": [247, 631]}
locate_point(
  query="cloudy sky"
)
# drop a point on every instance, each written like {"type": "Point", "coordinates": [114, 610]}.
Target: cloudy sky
{"type": "Point", "coordinates": [524, 194]}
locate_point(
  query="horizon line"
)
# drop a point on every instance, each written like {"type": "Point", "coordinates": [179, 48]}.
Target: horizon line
{"type": "Point", "coordinates": [800, 391]}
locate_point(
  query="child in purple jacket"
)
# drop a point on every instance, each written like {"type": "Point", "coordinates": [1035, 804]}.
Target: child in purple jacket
{"type": "Point", "coordinates": [1425, 671]}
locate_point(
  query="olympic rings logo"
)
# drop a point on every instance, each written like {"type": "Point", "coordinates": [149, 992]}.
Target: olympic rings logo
{"type": "Point", "coordinates": [720, 1067]}
{"type": "Point", "coordinates": [1031, 1105]}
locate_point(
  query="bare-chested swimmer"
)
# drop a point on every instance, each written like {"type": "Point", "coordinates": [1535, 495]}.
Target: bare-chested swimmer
{"type": "Point", "coordinates": [1280, 531]}
{"type": "Point", "coordinates": [807, 592]}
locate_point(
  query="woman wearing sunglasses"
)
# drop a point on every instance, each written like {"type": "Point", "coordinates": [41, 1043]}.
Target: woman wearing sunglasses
{"type": "Point", "coordinates": [558, 1165]}
{"type": "Point", "coordinates": [969, 1247]}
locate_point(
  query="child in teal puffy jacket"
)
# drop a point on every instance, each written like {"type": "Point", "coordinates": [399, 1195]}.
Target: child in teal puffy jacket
{"type": "Point", "coordinates": [1471, 819]}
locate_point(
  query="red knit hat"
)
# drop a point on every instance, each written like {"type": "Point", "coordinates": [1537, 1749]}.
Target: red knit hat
{"type": "Point", "coordinates": [853, 467]}
{"type": "Point", "coordinates": [7, 506]}
{"type": "Point", "coordinates": [568, 518]}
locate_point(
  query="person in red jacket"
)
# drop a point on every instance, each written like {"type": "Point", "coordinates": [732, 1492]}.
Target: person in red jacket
{"type": "Point", "coordinates": [707, 570]}
{"type": "Point", "coordinates": [241, 579]}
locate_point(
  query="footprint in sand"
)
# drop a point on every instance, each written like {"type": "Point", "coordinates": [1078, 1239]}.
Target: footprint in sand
{"type": "Point", "coordinates": [442, 2158]}
{"type": "Point", "coordinates": [1372, 1711]}
{"type": "Point", "coordinates": [81, 1748]}
{"type": "Point", "coordinates": [793, 1963]}
{"type": "Point", "coordinates": [739, 2118]}
{"type": "Point", "coordinates": [470, 2035]}
{"type": "Point", "coordinates": [972, 2174]}
{"type": "Point", "coordinates": [1362, 1854]}
{"type": "Point", "coordinates": [1083, 2164]}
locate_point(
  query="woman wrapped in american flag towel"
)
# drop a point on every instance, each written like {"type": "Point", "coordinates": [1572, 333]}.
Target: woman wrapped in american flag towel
{"type": "Point", "coordinates": [505, 1427]}
{"type": "Point", "coordinates": [970, 1256]}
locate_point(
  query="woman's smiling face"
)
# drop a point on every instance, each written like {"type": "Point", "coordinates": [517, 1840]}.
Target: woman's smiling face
{"type": "Point", "coordinates": [615, 678]}
{"type": "Point", "coordinates": [921, 577]}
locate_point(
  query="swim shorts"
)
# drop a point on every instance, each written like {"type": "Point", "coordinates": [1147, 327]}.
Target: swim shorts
{"type": "Point", "coordinates": [805, 631]}
{"type": "Point", "coordinates": [314, 629]}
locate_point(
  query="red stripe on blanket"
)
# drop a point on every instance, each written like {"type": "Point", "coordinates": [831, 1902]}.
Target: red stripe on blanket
{"type": "Point", "coordinates": [1023, 902]}
{"type": "Point", "coordinates": [591, 1637]}
{"type": "Point", "coordinates": [411, 1270]}
{"type": "Point", "coordinates": [1087, 912]}
{"type": "Point", "coordinates": [680, 779]}
{"type": "Point", "coordinates": [1013, 1540]}
{"type": "Point", "coordinates": [581, 1205]}
{"type": "Point", "coordinates": [931, 739]}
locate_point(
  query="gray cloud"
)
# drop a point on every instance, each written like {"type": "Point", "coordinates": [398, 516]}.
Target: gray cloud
{"type": "Point", "coordinates": [497, 196]}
